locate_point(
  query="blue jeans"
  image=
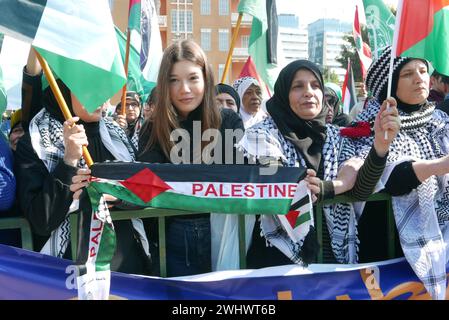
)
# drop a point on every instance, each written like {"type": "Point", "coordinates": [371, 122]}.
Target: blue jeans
{"type": "Point", "coordinates": [188, 246]}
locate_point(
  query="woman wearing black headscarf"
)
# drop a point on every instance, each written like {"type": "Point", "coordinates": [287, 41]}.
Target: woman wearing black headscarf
{"type": "Point", "coordinates": [295, 134]}
{"type": "Point", "coordinates": [47, 160]}
{"type": "Point", "coordinates": [227, 97]}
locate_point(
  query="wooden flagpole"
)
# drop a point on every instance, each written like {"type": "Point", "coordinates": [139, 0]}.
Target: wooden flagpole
{"type": "Point", "coordinates": [61, 102]}
{"type": "Point", "coordinates": [123, 100]}
{"type": "Point", "coordinates": [231, 49]}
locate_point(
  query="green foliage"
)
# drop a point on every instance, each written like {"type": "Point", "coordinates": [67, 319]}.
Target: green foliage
{"type": "Point", "coordinates": [330, 75]}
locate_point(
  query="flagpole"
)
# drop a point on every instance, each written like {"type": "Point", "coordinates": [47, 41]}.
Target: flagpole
{"type": "Point", "coordinates": [123, 99]}
{"type": "Point", "coordinates": [231, 49]}
{"type": "Point", "coordinates": [61, 102]}
{"type": "Point", "coordinates": [393, 53]}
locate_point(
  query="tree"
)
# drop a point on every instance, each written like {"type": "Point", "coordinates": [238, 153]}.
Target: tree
{"type": "Point", "coordinates": [329, 75]}
{"type": "Point", "coordinates": [348, 50]}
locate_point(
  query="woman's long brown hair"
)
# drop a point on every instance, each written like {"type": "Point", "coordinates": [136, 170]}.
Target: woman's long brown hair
{"type": "Point", "coordinates": [165, 116]}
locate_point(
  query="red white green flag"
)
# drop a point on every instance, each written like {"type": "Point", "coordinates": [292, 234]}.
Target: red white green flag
{"type": "Point", "coordinates": [230, 189]}
{"type": "Point", "coordinates": [363, 49]}
{"type": "Point", "coordinates": [422, 31]}
{"type": "Point", "coordinates": [77, 39]}
{"type": "Point", "coordinates": [349, 97]}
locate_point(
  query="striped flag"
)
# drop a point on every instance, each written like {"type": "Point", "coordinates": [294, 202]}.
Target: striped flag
{"type": "Point", "coordinates": [349, 98]}
{"type": "Point", "coordinates": [422, 31]}
{"type": "Point", "coordinates": [135, 82]}
{"type": "Point", "coordinates": [143, 24]}
{"type": "Point", "coordinates": [77, 39]}
{"type": "Point", "coordinates": [264, 46]}
{"type": "Point", "coordinates": [204, 188]}
{"type": "Point", "coordinates": [363, 49]}
{"type": "Point", "coordinates": [232, 189]}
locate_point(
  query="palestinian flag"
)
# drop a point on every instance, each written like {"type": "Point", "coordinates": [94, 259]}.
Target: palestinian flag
{"type": "Point", "coordinates": [349, 98]}
{"type": "Point", "coordinates": [230, 189]}
{"type": "Point", "coordinates": [76, 38]}
{"type": "Point", "coordinates": [422, 32]}
{"type": "Point", "coordinates": [143, 25]}
{"type": "Point", "coordinates": [363, 49]}
{"type": "Point", "coordinates": [264, 44]}
{"type": "Point", "coordinates": [236, 189]}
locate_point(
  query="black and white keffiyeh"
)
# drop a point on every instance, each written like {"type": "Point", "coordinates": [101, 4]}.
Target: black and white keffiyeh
{"type": "Point", "coordinates": [264, 141]}
{"type": "Point", "coordinates": [48, 142]}
{"type": "Point", "coordinates": [422, 216]}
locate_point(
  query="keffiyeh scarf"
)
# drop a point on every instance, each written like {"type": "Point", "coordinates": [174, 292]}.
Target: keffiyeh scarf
{"type": "Point", "coordinates": [422, 216]}
{"type": "Point", "coordinates": [48, 142]}
{"type": "Point", "coordinates": [266, 141]}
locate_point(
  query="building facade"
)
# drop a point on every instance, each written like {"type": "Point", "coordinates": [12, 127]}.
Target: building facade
{"type": "Point", "coordinates": [210, 23]}
{"type": "Point", "coordinates": [325, 41]}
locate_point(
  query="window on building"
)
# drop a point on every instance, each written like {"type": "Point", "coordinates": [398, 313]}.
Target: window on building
{"type": "Point", "coordinates": [181, 1]}
{"type": "Point", "coordinates": [223, 7]}
{"type": "Point", "coordinates": [205, 7]}
{"type": "Point", "coordinates": [220, 73]}
{"type": "Point", "coordinates": [245, 41]}
{"type": "Point", "coordinates": [206, 35]}
{"type": "Point", "coordinates": [223, 39]}
{"type": "Point", "coordinates": [181, 20]}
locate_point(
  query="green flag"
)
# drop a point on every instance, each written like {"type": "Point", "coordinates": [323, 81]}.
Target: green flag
{"type": "Point", "coordinates": [263, 41]}
{"type": "Point", "coordinates": [380, 22]}
{"type": "Point", "coordinates": [136, 81]}
{"type": "Point", "coordinates": [76, 38]}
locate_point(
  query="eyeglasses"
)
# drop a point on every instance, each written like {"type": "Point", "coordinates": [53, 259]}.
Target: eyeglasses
{"type": "Point", "coordinates": [132, 105]}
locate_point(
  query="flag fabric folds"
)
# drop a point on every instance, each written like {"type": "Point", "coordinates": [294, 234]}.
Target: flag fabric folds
{"type": "Point", "coordinates": [422, 32]}
{"type": "Point", "coordinates": [143, 25]}
{"type": "Point", "coordinates": [349, 94]}
{"type": "Point", "coordinates": [264, 46]}
{"type": "Point", "coordinates": [363, 49]}
{"type": "Point", "coordinates": [135, 81]}
{"type": "Point", "coordinates": [380, 23]}
{"type": "Point", "coordinates": [76, 38]}
{"type": "Point", "coordinates": [232, 189]}
{"type": "Point", "coordinates": [201, 188]}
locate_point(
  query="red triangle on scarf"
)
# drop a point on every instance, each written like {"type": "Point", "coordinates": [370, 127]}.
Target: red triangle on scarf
{"type": "Point", "coordinates": [292, 216]}
{"type": "Point", "coordinates": [146, 185]}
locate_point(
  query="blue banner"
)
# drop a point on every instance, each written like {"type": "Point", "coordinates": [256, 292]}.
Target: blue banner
{"type": "Point", "coordinates": [30, 275]}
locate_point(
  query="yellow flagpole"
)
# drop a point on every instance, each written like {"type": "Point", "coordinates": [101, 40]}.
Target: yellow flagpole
{"type": "Point", "coordinates": [231, 49]}
{"type": "Point", "coordinates": [123, 100]}
{"type": "Point", "coordinates": [61, 102]}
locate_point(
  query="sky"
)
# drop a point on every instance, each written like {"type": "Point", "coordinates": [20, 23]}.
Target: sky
{"type": "Point", "coordinates": [311, 10]}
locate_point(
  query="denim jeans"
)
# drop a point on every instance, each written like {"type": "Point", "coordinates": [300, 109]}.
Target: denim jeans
{"type": "Point", "coordinates": [188, 246]}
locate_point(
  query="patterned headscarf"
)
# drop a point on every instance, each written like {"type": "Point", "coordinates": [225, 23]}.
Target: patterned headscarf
{"type": "Point", "coordinates": [377, 77]}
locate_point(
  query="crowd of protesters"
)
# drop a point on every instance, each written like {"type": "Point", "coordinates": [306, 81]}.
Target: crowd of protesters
{"type": "Point", "coordinates": [404, 153]}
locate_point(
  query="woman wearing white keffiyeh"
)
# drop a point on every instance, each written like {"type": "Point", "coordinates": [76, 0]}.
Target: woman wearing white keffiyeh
{"type": "Point", "coordinates": [295, 134]}
{"type": "Point", "coordinates": [250, 93]}
{"type": "Point", "coordinates": [48, 158]}
{"type": "Point", "coordinates": [417, 168]}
